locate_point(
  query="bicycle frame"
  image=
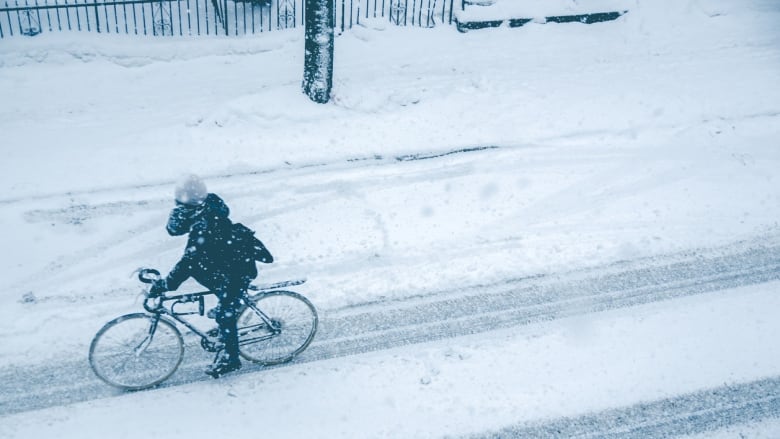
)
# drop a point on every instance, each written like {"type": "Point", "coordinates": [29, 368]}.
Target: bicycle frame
{"type": "Point", "coordinates": [159, 309]}
{"type": "Point", "coordinates": [147, 275]}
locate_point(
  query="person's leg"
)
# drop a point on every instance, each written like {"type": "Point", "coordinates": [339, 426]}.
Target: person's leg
{"type": "Point", "coordinates": [228, 358]}
{"type": "Point", "coordinates": [227, 319]}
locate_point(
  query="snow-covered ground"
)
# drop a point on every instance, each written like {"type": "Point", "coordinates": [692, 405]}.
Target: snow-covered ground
{"type": "Point", "coordinates": [444, 160]}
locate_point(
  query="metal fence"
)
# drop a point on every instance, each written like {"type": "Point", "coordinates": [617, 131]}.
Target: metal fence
{"type": "Point", "coordinates": [203, 17]}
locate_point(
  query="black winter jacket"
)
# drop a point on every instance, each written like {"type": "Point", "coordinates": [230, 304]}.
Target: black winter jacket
{"type": "Point", "coordinates": [211, 256]}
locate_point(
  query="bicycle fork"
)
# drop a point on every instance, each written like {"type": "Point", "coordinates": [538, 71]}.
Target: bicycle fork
{"type": "Point", "coordinates": [144, 344]}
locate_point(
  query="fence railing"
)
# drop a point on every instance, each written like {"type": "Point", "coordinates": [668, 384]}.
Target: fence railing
{"type": "Point", "coordinates": [203, 17]}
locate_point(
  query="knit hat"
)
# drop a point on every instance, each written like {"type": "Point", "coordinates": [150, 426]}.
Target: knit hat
{"type": "Point", "coordinates": [191, 190]}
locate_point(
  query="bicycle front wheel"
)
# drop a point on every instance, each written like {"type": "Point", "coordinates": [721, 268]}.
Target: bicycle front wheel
{"type": "Point", "coordinates": [136, 351]}
{"type": "Point", "coordinates": [276, 327]}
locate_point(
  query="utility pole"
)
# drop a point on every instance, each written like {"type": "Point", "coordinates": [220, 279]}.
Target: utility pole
{"type": "Point", "coordinates": [318, 62]}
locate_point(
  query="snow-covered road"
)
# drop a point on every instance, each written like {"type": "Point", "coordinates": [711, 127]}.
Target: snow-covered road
{"type": "Point", "coordinates": [387, 324]}
{"type": "Point", "coordinates": [702, 412]}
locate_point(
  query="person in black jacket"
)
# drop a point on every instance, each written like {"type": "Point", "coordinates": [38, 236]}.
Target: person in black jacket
{"type": "Point", "coordinates": [214, 258]}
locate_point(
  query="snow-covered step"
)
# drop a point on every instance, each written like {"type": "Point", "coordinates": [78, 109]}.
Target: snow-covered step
{"type": "Point", "coordinates": [477, 14]}
{"type": "Point", "coordinates": [478, 2]}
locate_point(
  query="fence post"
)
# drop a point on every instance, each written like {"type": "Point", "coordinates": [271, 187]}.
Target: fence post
{"type": "Point", "coordinates": [318, 59]}
{"type": "Point", "coordinates": [97, 16]}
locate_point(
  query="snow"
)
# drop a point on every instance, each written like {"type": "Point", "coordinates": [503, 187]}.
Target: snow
{"type": "Point", "coordinates": [553, 147]}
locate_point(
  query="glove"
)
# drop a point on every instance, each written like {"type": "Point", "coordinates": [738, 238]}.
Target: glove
{"type": "Point", "coordinates": [159, 286]}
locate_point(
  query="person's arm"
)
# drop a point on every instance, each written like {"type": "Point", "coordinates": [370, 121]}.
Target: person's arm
{"type": "Point", "coordinates": [180, 220]}
{"type": "Point", "coordinates": [180, 272]}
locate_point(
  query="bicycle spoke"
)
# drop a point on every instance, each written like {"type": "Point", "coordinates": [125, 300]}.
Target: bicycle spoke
{"type": "Point", "coordinates": [292, 320]}
{"type": "Point", "coordinates": [136, 351]}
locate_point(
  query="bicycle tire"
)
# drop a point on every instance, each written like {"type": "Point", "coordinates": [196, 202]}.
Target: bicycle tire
{"type": "Point", "coordinates": [123, 355]}
{"type": "Point", "coordinates": [297, 320]}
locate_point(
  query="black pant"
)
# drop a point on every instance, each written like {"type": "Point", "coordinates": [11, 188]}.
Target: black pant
{"type": "Point", "coordinates": [227, 318]}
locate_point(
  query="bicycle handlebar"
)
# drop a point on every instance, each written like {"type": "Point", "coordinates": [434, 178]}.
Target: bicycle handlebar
{"type": "Point", "coordinates": [148, 275]}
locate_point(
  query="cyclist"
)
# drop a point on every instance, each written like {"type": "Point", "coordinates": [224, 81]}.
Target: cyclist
{"type": "Point", "coordinates": [214, 258]}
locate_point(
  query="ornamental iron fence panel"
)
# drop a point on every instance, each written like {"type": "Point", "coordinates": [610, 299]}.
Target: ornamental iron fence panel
{"type": "Point", "coordinates": [204, 17]}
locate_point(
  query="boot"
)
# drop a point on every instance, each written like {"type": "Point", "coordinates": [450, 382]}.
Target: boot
{"type": "Point", "coordinates": [227, 359]}
{"type": "Point", "coordinates": [223, 363]}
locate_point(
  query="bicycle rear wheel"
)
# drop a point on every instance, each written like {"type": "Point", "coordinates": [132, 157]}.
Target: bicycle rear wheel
{"type": "Point", "coordinates": [293, 323]}
{"type": "Point", "coordinates": [136, 351]}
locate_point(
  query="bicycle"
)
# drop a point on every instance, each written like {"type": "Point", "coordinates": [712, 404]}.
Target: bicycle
{"type": "Point", "coordinates": [141, 350]}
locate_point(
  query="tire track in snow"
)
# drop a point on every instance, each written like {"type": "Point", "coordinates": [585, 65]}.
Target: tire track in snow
{"type": "Point", "coordinates": [89, 259]}
{"type": "Point", "coordinates": [540, 299]}
{"type": "Point", "coordinates": [76, 214]}
{"type": "Point", "coordinates": [108, 208]}
{"type": "Point", "coordinates": [693, 413]}
{"type": "Point", "coordinates": [388, 324]}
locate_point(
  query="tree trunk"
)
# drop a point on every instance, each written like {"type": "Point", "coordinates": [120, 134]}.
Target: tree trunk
{"type": "Point", "coordinates": [318, 62]}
